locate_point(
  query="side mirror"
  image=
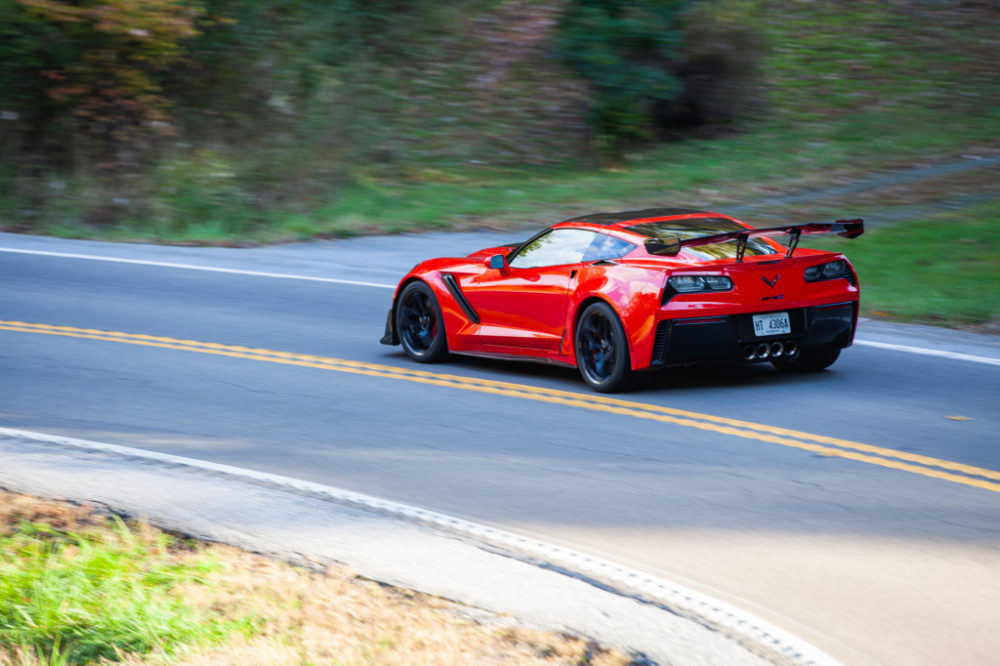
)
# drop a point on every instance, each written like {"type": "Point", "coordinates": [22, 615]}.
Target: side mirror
{"type": "Point", "coordinates": [668, 247]}
{"type": "Point", "coordinates": [496, 261]}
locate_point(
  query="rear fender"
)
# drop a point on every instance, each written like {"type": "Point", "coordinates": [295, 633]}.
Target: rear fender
{"type": "Point", "coordinates": [633, 293]}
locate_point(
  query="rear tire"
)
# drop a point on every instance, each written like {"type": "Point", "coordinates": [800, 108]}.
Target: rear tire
{"type": "Point", "coordinates": [809, 360]}
{"type": "Point", "coordinates": [420, 325]}
{"type": "Point", "coordinates": [602, 349]}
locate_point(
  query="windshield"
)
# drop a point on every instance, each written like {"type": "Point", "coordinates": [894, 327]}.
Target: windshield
{"type": "Point", "coordinates": [702, 226]}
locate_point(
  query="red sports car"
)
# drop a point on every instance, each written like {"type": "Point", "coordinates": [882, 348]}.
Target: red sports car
{"type": "Point", "coordinates": [614, 293]}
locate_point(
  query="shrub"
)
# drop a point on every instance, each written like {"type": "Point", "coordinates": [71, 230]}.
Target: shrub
{"type": "Point", "coordinates": [657, 66]}
{"type": "Point", "coordinates": [626, 50]}
{"type": "Point", "coordinates": [719, 68]}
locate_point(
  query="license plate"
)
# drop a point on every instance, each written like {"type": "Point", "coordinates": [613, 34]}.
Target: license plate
{"type": "Point", "coordinates": [776, 323]}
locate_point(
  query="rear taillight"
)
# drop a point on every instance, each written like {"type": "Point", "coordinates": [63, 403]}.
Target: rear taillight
{"type": "Point", "coordinates": [690, 284]}
{"type": "Point", "coordinates": [831, 270]}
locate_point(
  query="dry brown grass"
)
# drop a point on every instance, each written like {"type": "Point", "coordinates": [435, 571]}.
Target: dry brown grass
{"type": "Point", "coordinates": [60, 515]}
{"type": "Point", "coordinates": [329, 617]}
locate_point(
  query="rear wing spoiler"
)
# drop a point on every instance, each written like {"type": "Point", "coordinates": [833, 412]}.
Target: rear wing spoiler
{"type": "Point", "coordinates": [672, 246]}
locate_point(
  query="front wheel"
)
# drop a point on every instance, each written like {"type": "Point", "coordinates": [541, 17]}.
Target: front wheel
{"type": "Point", "coordinates": [809, 360]}
{"type": "Point", "coordinates": [420, 325]}
{"type": "Point", "coordinates": [602, 349]}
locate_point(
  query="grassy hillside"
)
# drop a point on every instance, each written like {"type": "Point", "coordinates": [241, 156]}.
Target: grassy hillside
{"type": "Point", "coordinates": [432, 116]}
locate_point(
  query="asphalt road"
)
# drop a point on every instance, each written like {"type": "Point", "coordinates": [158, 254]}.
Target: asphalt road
{"type": "Point", "coordinates": [875, 557]}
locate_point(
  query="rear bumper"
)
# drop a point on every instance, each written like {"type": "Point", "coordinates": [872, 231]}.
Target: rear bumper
{"type": "Point", "coordinates": [724, 338]}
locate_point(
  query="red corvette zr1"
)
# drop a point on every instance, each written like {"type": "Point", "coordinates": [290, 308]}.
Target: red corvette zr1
{"type": "Point", "coordinates": [613, 293]}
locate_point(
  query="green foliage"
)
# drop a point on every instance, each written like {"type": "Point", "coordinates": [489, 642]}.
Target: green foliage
{"type": "Point", "coordinates": [299, 93]}
{"type": "Point", "coordinates": [92, 67]}
{"type": "Point", "coordinates": [272, 57]}
{"type": "Point", "coordinates": [201, 193]}
{"type": "Point", "coordinates": [84, 597]}
{"type": "Point", "coordinates": [320, 117]}
{"type": "Point", "coordinates": [627, 50]}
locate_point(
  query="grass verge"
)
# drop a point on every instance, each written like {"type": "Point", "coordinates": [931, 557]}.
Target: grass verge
{"type": "Point", "coordinates": [940, 268]}
{"type": "Point", "coordinates": [92, 596]}
{"type": "Point", "coordinates": [80, 587]}
{"type": "Point", "coordinates": [715, 174]}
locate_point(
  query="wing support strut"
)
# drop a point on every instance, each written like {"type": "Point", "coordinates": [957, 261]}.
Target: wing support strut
{"type": "Point", "coordinates": [793, 242]}
{"type": "Point", "coordinates": [741, 246]}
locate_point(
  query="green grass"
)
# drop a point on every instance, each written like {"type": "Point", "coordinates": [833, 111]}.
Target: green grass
{"type": "Point", "coordinates": [700, 172]}
{"type": "Point", "coordinates": [941, 269]}
{"type": "Point", "coordinates": [79, 598]}
{"type": "Point", "coordinates": [891, 61]}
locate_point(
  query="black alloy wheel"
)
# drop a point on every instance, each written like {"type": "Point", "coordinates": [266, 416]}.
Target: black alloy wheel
{"type": "Point", "coordinates": [602, 349]}
{"type": "Point", "coordinates": [420, 326]}
{"type": "Point", "coordinates": [808, 360]}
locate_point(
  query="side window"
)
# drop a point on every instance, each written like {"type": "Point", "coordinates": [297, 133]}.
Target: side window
{"type": "Point", "coordinates": [556, 248]}
{"type": "Point", "coordinates": [607, 247]}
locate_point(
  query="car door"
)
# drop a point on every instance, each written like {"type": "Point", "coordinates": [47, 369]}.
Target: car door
{"type": "Point", "coordinates": [524, 305]}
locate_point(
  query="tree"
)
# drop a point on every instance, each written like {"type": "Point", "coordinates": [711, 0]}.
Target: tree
{"type": "Point", "coordinates": [90, 68]}
{"type": "Point", "coordinates": [626, 49]}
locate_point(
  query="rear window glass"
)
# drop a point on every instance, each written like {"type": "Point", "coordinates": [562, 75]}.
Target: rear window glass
{"type": "Point", "coordinates": [702, 226]}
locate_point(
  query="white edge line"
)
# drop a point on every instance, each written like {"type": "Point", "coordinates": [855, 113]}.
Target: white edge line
{"type": "Point", "coordinates": [955, 356]}
{"type": "Point", "coordinates": [193, 267]}
{"type": "Point", "coordinates": [738, 624]}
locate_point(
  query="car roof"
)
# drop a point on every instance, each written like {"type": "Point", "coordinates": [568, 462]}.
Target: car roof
{"type": "Point", "coordinates": [637, 215]}
{"type": "Point", "coordinates": [648, 223]}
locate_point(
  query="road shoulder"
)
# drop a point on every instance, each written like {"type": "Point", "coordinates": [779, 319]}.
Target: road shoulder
{"type": "Point", "coordinates": [301, 522]}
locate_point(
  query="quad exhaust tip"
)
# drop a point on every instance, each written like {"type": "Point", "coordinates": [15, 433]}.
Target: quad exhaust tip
{"type": "Point", "coordinates": [764, 350]}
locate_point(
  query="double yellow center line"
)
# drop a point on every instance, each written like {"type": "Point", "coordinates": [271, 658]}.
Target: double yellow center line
{"type": "Point", "coordinates": [947, 470]}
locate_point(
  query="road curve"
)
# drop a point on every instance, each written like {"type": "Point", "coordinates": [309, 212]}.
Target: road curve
{"type": "Point", "coordinates": [872, 562]}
